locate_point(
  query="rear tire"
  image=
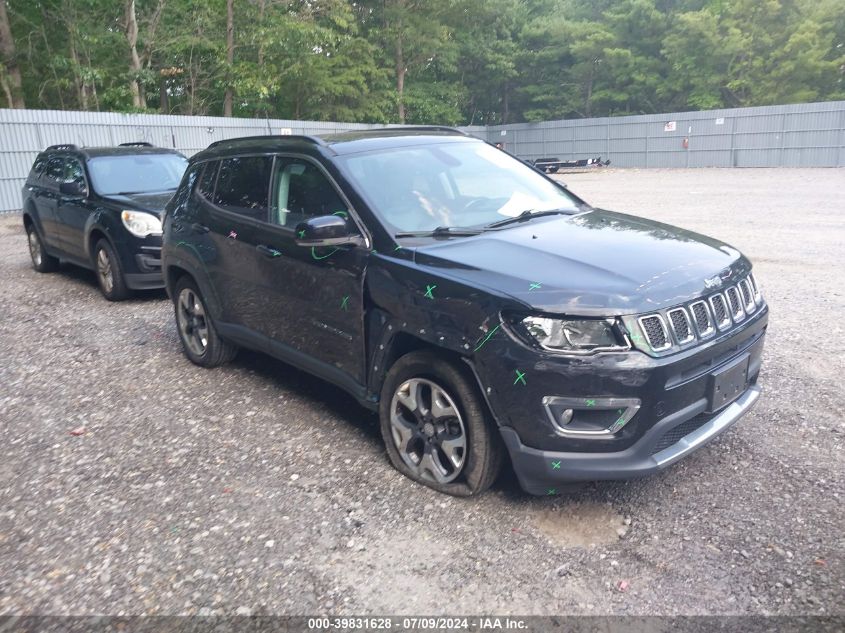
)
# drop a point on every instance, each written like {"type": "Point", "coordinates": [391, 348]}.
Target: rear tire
{"type": "Point", "coordinates": [200, 341]}
{"type": "Point", "coordinates": [41, 260]}
{"type": "Point", "coordinates": [436, 427]}
{"type": "Point", "coordinates": [109, 272]}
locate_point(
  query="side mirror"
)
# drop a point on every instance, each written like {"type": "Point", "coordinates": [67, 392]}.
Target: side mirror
{"type": "Point", "coordinates": [75, 188]}
{"type": "Point", "coordinates": [327, 230]}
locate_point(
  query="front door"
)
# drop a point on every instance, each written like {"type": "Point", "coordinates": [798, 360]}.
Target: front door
{"type": "Point", "coordinates": [313, 296]}
{"type": "Point", "coordinates": [74, 211]}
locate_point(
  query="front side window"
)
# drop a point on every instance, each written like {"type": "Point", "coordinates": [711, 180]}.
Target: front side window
{"type": "Point", "coordinates": [452, 184]}
{"type": "Point", "coordinates": [301, 191]}
{"type": "Point", "coordinates": [137, 173]}
{"type": "Point", "coordinates": [243, 185]}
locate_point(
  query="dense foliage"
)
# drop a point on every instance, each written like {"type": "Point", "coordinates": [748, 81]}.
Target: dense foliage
{"type": "Point", "coordinates": [425, 61]}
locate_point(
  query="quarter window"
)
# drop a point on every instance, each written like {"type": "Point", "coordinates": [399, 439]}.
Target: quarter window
{"type": "Point", "coordinates": [243, 184]}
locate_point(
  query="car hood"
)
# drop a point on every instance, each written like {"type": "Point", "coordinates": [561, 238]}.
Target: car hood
{"type": "Point", "coordinates": [594, 263]}
{"type": "Point", "coordinates": [151, 202]}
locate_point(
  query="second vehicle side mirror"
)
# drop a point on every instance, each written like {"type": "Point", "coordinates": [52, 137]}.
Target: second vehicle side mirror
{"type": "Point", "coordinates": [327, 230]}
{"type": "Point", "coordinates": [75, 188]}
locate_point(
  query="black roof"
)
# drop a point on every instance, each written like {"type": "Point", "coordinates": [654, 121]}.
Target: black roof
{"type": "Point", "coordinates": [336, 143]}
{"type": "Point", "coordinates": [121, 150]}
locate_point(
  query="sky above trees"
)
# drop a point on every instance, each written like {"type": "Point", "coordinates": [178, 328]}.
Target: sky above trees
{"type": "Point", "coordinates": [419, 61]}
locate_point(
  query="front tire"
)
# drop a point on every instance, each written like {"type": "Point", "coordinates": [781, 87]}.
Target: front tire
{"type": "Point", "coordinates": [41, 260]}
{"type": "Point", "coordinates": [109, 272]}
{"type": "Point", "coordinates": [436, 427]}
{"type": "Point", "coordinates": [200, 341]}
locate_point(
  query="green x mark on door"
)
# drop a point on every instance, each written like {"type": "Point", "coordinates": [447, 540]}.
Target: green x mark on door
{"type": "Point", "coordinates": [535, 286]}
{"type": "Point", "coordinates": [590, 403]}
{"type": "Point", "coordinates": [428, 291]}
{"type": "Point", "coordinates": [344, 304]}
{"type": "Point", "coordinates": [520, 377]}
{"type": "Point", "coordinates": [555, 465]}
{"type": "Point", "coordinates": [302, 234]}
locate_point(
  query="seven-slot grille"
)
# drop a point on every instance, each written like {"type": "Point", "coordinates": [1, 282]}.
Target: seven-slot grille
{"type": "Point", "coordinates": [701, 318]}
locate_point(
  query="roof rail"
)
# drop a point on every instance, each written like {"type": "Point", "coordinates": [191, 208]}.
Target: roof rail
{"type": "Point", "coordinates": [425, 128]}
{"type": "Point", "coordinates": [274, 137]}
{"type": "Point", "coordinates": [63, 146]}
{"type": "Point", "coordinates": [136, 144]}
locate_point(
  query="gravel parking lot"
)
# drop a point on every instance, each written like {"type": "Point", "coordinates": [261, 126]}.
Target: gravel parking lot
{"type": "Point", "coordinates": [132, 482]}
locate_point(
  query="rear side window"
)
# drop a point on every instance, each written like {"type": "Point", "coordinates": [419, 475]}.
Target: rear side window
{"type": "Point", "coordinates": [55, 170]}
{"type": "Point", "coordinates": [243, 184]}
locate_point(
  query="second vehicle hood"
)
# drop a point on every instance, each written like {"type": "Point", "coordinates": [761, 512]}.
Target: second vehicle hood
{"type": "Point", "coordinates": [591, 264]}
{"type": "Point", "coordinates": [151, 202]}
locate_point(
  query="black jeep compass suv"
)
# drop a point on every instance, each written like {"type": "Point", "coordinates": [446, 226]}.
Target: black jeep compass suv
{"type": "Point", "coordinates": [100, 208]}
{"type": "Point", "coordinates": [476, 304]}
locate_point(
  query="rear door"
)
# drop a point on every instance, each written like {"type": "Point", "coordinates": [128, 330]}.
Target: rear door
{"type": "Point", "coordinates": [234, 193]}
{"type": "Point", "coordinates": [45, 195]}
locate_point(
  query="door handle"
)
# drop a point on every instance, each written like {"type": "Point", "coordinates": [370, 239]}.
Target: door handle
{"type": "Point", "coordinates": [199, 228]}
{"type": "Point", "coordinates": [268, 251]}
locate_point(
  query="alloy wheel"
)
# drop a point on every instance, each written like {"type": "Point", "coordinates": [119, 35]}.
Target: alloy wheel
{"type": "Point", "coordinates": [428, 430]}
{"type": "Point", "coordinates": [34, 247]}
{"type": "Point", "coordinates": [104, 271]}
{"type": "Point", "coordinates": [192, 321]}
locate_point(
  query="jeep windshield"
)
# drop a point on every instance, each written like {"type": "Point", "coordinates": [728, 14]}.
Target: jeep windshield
{"type": "Point", "coordinates": [463, 185]}
{"type": "Point", "coordinates": [136, 173]}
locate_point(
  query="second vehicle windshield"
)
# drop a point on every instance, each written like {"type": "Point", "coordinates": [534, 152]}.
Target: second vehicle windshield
{"type": "Point", "coordinates": [453, 184]}
{"type": "Point", "coordinates": [137, 173]}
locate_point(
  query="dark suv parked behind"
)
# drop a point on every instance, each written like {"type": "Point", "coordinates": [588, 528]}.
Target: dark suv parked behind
{"type": "Point", "coordinates": [477, 304]}
{"type": "Point", "coordinates": [100, 208]}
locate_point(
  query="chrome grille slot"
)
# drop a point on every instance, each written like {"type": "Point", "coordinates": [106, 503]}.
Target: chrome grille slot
{"type": "Point", "coordinates": [655, 332]}
{"type": "Point", "coordinates": [747, 295]}
{"type": "Point", "coordinates": [758, 296]}
{"type": "Point", "coordinates": [681, 325]}
{"type": "Point", "coordinates": [701, 316]}
{"type": "Point", "coordinates": [735, 304]}
{"type": "Point", "coordinates": [720, 311]}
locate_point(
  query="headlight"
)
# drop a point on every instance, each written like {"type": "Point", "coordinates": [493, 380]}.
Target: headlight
{"type": "Point", "coordinates": [141, 224]}
{"type": "Point", "coordinates": [575, 335]}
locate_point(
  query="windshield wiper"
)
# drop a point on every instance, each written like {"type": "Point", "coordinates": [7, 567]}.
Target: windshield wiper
{"type": "Point", "coordinates": [132, 193]}
{"type": "Point", "coordinates": [527, 215]}
{"type": "Point", "coordinates": [439, 231]}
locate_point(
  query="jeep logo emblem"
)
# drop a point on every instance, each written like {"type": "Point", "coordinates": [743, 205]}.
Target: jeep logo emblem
{"type": "Point", "coordinates": [713, 282]}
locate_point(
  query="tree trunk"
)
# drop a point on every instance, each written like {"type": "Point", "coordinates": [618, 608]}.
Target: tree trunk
{"type": "Point", "coordinates": [228, 97]}
{"type": "Point", "coordinates": [400, 73]}
{"type": "Point", "coordinates": [12, 80]}
{"type": "Point", "coordinates": [134, 59]}
{"type": "Point", "coordinates": [81, 93]}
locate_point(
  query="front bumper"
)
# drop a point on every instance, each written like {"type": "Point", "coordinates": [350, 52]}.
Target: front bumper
{"type": "Point", "coordinates": [677, 412]}
{"type": "Point", "coordinates": [540, 472]}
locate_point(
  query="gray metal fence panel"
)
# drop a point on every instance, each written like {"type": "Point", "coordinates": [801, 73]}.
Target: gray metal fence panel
{"type": "Point", "coordinates": [806, 135]}
{"type": "Point", "coordinates": [796, 135]}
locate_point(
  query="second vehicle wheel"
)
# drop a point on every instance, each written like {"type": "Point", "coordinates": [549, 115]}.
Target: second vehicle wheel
{"type": "Point", "coordinates": [200, 341]}
{"type": "Point", "coordinates": [435, 426]}
{"type": "Point", "coordinates": [109, 272]}
{"type": "Point", "coordinates": [41, 261]}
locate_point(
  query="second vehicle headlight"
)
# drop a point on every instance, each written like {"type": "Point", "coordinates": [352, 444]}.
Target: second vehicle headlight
{"type": "Point", "coordinates": [574, 335]}
{"type": "Point", "coordinates": [141, 224]}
